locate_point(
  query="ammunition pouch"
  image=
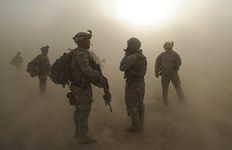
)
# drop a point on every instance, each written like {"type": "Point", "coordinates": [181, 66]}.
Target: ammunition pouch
{"type": "Point", "coordinates": [131, 80]}
{"type": "Point", "coordinates": [71, 98]}
{"type": "Point", "coordinates": [134, 79]}
{"type": "Point", "coordinates": [83, 84]}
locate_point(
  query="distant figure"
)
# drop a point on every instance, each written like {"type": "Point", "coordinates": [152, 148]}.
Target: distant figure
{"type": "Point", "coordinates": [167, 65]}
{"type": "Point", "coordinates": [44, 68]}
{"type": "Point", "coordinates": [134, 64]}
{"type": "Point", "coordinates": [17, 61]}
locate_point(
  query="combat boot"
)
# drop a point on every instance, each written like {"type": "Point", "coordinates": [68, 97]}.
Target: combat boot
{"type": "Point", "coordinates": [133, 130]}
{"type": "Point", "coordinates": [165, 102]}
{"type": "Point", "coordinates": [76, 134]}
{"type": "Point", "coordinates": [86, 140]}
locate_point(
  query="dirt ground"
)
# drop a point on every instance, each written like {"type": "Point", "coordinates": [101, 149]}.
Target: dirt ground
{"type": "Point", "coordinates": [29, 121]}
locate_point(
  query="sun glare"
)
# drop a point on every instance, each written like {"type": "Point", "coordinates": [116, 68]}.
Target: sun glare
{"type": "Point", "coordinates": [144, 12]}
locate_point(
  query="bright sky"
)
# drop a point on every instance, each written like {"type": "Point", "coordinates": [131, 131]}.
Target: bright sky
{"type": "Point", "coordinates": [28, 24]}
{"type": "Point", "coordinates": [137, 14]}
{"type": "Point", "coordinates": [144, 12]}
{"type": "Point", "coordinates": [149, 13]}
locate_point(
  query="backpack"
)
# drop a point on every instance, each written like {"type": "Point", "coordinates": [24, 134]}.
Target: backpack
{"type": "Point", "coordinates": [61, 70]}
{"type": "Point", "coordinates": [33, 68]}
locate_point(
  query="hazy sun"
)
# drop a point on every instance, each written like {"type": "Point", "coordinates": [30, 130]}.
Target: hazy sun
{"type": "Point", "coordinates": [144, 12]}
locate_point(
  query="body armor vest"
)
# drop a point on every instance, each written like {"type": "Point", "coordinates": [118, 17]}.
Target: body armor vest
{"type": "Point", "coordinates": [139, 69]}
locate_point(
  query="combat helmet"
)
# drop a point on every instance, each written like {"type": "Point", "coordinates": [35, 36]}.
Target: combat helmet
{"type": "Point", "coordinates": [82, 35]}
{"type": "Point", "coordinates": [43, 48]}
{"type": "Point", "coordinates": [168, 45]}
{"type": "Point", "coordinates": [134, 43]}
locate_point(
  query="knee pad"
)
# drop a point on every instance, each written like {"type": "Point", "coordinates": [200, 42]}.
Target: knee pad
{"type": "Point", "coordinates": [84, 109]}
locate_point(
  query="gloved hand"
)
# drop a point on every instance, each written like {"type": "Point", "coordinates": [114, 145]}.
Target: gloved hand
{"type": "Point", "coordinates": [157, 75]}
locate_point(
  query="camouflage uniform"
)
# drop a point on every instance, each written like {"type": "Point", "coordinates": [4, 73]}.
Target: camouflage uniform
{"type": "Point", "coordinates": [81, 89]}
{"type": "Point", "coordinates": [167, 65]}
{"type": "Point", "coordinates": [135, 66]}
{"type": "Point", "coordinates": [44, 67]}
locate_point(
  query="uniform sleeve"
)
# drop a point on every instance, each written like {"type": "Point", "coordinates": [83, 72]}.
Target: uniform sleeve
{"type": "Point", "coordinates": [157, 64]}
{"type": "Point", "coordinates": [178, 59]}
{"type": "Point", "coordinates": [83, 61]}
{"type": "Point", "coordinates": [127, 62]}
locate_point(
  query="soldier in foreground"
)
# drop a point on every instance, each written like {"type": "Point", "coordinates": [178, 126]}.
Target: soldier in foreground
{"type": "Point", "coordinates": [134, 64]}
{"type": "Point", "coordinates": [167, 65]}
{"type": "Point", "coordinates": [80, 87]}
{"type": "Point", "coordinates": [17, 61]}
{"type": "Point", "coordinates": [44, 68]}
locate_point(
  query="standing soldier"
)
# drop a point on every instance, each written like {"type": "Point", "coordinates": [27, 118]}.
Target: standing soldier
{"type": "Point", "coordinates": [134, 64]}
{"type": "Point", "coordinates": [44, 68]}
{"type": "Point", "coordinates": [80, 87]}
{"type": "Point", "coordinates": [17, 61]}
{"type": "Point", "coordinates": [167, 65]}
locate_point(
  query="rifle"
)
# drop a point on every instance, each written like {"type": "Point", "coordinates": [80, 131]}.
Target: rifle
{"type": "Point", "coordinates": [107, 95]}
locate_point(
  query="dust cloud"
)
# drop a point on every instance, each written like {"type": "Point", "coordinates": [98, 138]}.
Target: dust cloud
{"type": "Point", "coordinates": [30, 121]}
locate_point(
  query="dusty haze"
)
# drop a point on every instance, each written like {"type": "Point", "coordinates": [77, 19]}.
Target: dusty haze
{"type": "Point", "coordinates": [202, 37]}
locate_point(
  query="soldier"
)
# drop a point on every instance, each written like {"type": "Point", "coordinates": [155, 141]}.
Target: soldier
{"type": "Point", "coordinates": [134, 64]}
{"type": "Point", "coordinates": [17, 61]}
{"type": "Point", "coordinates": [80, 87]}
{"type": "Point", "coordinates": [44, 68]}
{"type": "Point", "coordinates": [167, 65]}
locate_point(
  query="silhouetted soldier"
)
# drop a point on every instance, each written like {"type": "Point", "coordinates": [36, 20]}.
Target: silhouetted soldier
{"type": "Point", "coordinates": [167, 65]}
{"type": "Point", "coordinates": [17, 61]}
{"type": "Point", "coordinates": [81, 89]}
{"type": "Point", "coordinates": [134, 64]}
{"type": "Point", "coordinates": [44, 68]}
